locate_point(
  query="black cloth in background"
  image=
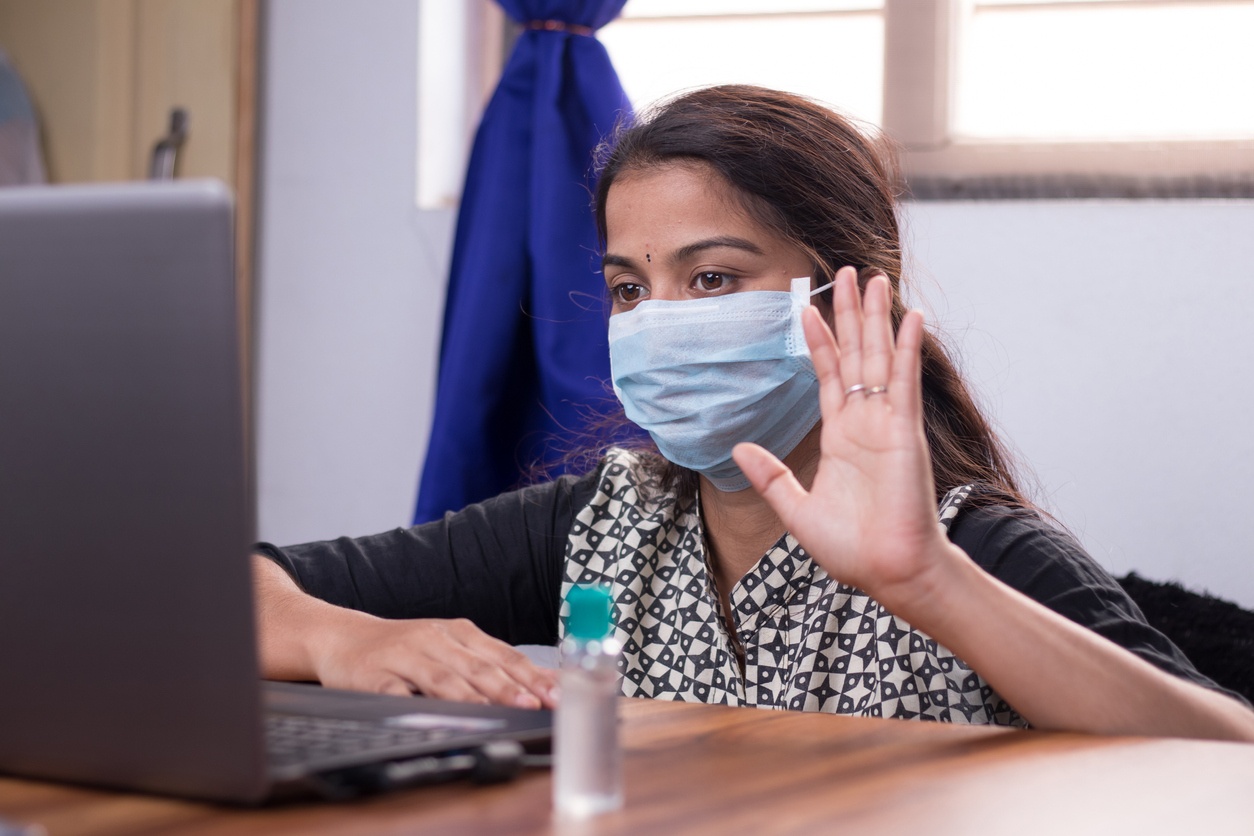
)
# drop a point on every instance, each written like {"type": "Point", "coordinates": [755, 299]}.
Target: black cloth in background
{"type": "Point", "coordinates": [1216, 635]}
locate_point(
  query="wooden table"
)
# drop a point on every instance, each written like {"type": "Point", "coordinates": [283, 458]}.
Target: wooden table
{"type": "Point", "coordinates": [706, 769]}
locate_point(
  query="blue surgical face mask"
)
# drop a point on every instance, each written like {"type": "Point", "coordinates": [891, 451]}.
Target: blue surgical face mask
{"type": "Point", "coordinates": [703, 375]}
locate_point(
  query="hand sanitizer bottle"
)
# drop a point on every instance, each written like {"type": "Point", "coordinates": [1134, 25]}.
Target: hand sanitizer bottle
{"type": "Point", "coordinates": [587, 760]}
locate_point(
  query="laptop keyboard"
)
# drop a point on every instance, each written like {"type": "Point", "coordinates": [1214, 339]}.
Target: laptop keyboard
{"type": "Point", "coordinates": [296, 738]}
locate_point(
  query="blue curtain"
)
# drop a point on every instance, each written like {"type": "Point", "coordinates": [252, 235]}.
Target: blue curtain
{"type": "Point", "coordinates": [523, 357]}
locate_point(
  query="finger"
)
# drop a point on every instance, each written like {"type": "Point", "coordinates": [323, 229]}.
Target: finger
{"type": "Point", "coordinates": [539, 682]}
{"type": "Point", "coordinates": [905, 388]}
{"type": "Point", "coordinates": [826, 359]}
{"type": "Point", "coordinates": [505, 675]}
{"type": "Point", "coordinates": [447, 676]}
{"type": "Point", "coordinates": [848, 310]}
{"type": "Point", "coordinates": [395, 686]}
{"type": "Point", "coordinates": [771, 479]}
{"type": "Point", "coordinates": [877, 333]}
{"type": "Point", "coordinates": [436, 660]}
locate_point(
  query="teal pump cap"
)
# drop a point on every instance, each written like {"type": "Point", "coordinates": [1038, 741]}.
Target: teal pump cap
{"type": "Point", "coordinates": [589, 612]}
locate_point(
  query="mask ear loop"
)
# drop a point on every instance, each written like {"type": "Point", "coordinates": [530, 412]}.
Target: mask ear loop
{"type": "Point", "coordinates": [817, 291]}
{"type": "Point", "coordinates": [800, 301]}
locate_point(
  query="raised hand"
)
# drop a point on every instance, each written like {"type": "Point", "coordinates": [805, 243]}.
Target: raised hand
{"type": "Point", "coordinates": [869, 518]}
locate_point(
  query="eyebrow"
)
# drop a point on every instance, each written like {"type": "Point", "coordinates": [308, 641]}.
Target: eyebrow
{"type": "Point", "coordinates": [610, 260]}
{"type": "Point", "coordinates": [730, 241]}
{"type": "Point", "coordinates": [689, 250]}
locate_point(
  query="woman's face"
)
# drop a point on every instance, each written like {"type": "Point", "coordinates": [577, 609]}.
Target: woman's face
{"type": "Point", "coordinates": [679, 231]}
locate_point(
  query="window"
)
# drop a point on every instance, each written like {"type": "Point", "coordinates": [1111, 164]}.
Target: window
{"type": "Point", "coordinates": [1119, 70]}
{"type": "Point", "coordinates": [832, 50]}
{"type": "Point", "coordinates": [981, 88]}
{"type": "Point", "coordinates": [460, 55]}
{"type": "Point", "coordinates": [1099, 93]}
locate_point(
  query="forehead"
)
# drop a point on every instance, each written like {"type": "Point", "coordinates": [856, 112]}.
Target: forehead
{"type": "Point", "coordinates": [684, 198]}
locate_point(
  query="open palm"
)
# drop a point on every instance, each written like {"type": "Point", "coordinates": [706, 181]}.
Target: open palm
{"type": "Point", "coordinates": [869, 519]}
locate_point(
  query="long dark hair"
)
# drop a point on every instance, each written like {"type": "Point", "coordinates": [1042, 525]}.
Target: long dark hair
{"type": "Point", "coordinates": [811, 175]}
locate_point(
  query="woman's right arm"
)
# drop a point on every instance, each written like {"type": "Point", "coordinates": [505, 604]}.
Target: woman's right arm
{"type": "Point", "coordinates": [434, 608]}
{"type": "Point", "coordinates": [301, 637]}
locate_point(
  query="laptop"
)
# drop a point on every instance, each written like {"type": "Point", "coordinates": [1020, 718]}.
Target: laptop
{"type": "Point", "coordinates": [127, 639]}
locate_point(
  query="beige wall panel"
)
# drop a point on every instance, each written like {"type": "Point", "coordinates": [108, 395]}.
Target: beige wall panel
{"type": "Point", "coordinates": [54, 44]}
{"type": "Point", "coordinates": [114, 101]}
{"type": "Point", "coordinates": [104, 75]}
{"type": "Point", "coordinates": [187, 57]}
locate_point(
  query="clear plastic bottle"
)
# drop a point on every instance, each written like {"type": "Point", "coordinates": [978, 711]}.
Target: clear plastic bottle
{"type": "Point", "coordinates": [587, 759]}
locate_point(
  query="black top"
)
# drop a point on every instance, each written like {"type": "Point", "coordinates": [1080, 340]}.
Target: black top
{"type": "Point", "coordinates": [499, 563]}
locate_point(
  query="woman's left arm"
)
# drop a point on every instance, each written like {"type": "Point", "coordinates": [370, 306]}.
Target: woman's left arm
{"type": "Point", "coordinates": [870, 520]}
{"type": "Point", "coordinates": [1058, 674]}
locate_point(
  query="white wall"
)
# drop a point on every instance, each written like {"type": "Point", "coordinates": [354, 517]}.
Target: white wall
{"type": "Point", "coordinates": [1109, 339]}
{"type": "Point", "coordinates": [350, 273]}
{"type": "Point", "coordinates": [1111, 342]}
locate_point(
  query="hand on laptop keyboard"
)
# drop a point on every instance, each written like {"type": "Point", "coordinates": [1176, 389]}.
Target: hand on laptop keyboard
{"type": "Point", "coordinates": [302, 637]}
{"type": "Point", "coordinates": [448, 659]}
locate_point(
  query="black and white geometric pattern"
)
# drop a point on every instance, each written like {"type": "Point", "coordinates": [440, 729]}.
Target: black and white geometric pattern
{"type": "Point", "coordinates": [810, 643]}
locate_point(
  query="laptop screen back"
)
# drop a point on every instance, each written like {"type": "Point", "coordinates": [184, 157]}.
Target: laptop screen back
{"type": "Point", "coordinates": [126, 639]}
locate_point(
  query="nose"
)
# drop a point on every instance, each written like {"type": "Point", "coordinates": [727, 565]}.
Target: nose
{"type": "Point", "coordinates": [667, 288]}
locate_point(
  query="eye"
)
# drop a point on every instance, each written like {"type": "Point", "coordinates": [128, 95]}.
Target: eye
{"type": "Point", "coordinates": [710, 281]}
{"type": "Point", "coordinates": [627, 293]}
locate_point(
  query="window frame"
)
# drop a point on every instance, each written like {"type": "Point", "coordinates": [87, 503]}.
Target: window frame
{"type": "Point", "coordinates": [920, 74]}
{"type": "Point", "coordinates": [453, 88]}
{"type": "Point", "coordinates": [920, 40]}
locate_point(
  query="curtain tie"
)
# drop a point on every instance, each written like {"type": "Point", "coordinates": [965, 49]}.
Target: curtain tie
{"type": "Point", "coordinates": [560, 26]}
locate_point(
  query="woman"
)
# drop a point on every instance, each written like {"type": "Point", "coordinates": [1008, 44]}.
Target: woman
{"type": "Point", "coordinates": [806, 570]}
